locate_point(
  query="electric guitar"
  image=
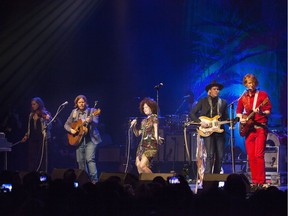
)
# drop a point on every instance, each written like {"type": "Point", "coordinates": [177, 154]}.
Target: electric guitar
{"type": "Point", "coordinates": [75, 139]}
{"type": "Point", "coordinates": [247, 127]}
{"type": "Point", "coordinates": [213, 125]}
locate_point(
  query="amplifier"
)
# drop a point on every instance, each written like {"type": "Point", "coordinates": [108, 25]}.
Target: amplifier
{"type": "Point", "coordinates": [174, 147]}
{"type": "Point", "coordinates": [271, 159]}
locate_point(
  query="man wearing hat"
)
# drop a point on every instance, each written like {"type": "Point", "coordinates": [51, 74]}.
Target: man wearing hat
{"type": "Point", "coordinates": [208, 108]}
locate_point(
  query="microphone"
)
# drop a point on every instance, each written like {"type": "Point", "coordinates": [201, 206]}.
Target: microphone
{"type": "Point", "coordinates": [158, 86]}
{"type": "Point", "coordinates": [186, 96]}
{"type": "Point", "coordinates": [133, 120]}
{"type": "Point", "coordinates": [65, 103]}
{"type": "Point", "coordinates": [251, 89]}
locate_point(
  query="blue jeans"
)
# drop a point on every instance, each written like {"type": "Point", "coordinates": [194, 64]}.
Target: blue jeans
{"type": "Point", "coordinates": [85, 155]}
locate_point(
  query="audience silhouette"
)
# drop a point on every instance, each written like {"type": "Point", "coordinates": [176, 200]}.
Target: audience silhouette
{"type": "Point", "coordinates": [35, 195]}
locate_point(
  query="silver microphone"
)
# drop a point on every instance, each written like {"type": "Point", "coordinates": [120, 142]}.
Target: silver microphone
{"type": "Point", "coordinates": [133, 120]}
{"type": "Point", "coordinates": [158, 86]}
{"type": "Point", "coordinates": [65, 103]}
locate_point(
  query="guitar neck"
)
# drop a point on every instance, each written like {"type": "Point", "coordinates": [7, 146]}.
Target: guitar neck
{"type": "Point", "coordinates": [224, 122]}
{"type": "Point", "coordinates": [96, 112]}
{"type": "Point", "coordinates": [252, 113]}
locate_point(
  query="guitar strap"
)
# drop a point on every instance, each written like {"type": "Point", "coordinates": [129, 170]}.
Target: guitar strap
{"type": "Point", "coordinates": [255, 100]}
{"type": "Point", "coordinates": [211, 106]}
{"type": "Point", "coordinates": [89, 112]}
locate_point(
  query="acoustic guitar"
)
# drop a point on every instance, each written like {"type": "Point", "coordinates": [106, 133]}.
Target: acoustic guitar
{"type": "Point", "coordinates": [75, 139]}
{"type": "Point", "coordinates": [248, 126]}
{"type": "Point", "coordinates": [213, 125]}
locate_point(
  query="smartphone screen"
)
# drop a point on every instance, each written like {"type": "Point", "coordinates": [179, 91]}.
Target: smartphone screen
{"type": "Point", "coordinates": [76, 184]}
{"type": "Point", "coordinates": [173, 180]}
{"type": "Point", "coordinates": [6, 187]}
{"type": "Point", "coordinates": [43, 178]}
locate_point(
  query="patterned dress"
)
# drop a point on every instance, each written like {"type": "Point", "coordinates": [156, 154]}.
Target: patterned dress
{"type": "Point", "coordinates": [148, 143]}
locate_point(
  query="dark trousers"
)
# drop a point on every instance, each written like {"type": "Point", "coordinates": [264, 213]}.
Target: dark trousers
{"type": "Point", "coordinates": [214, 145]}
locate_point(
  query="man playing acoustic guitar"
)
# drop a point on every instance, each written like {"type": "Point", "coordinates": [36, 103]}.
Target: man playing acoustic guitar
{"type": "Point", "coordinates": [214, 140]}
{"type": "Point", "coordinates": [254, 127]}
{"type": "Point", "coordinates": [83, 133]}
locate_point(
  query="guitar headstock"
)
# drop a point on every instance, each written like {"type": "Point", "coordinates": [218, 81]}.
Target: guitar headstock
{"type": "Point", "coordinates": [96, 112]}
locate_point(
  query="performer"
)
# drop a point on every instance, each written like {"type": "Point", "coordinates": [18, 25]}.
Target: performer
{"type": "Point", "coordinates": [86, 149]}
{"type": "Point", "coordinates": [37, 135]}
{"type": "Point", "coordinates": [148, 147]}
{"type": "Point", "coordinates": [259, 103]}
{"type": "Point", "coordinates": [209, 107]}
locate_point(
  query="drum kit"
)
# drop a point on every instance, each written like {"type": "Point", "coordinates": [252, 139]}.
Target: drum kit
{"type": "Point", "coordinates": [176, 123]}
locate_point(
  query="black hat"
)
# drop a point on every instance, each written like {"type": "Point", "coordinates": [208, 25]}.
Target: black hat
{"type": "Point", "coordinates": [212, 84]}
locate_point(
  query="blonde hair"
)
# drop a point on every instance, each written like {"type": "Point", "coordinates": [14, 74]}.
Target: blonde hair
{"type": "Point", "coordinates": [249, 77]}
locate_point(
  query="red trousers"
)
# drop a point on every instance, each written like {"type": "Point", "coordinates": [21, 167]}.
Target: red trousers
{"type": "Point", "coordinates": [255, 147]}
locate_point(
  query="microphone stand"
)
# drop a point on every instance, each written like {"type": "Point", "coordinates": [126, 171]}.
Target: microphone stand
{"type": "Point", "coordinates": [60, 108]}
{"type": "Point", "coordinates": [157, 138]}
{"type": "Point", "coordinates": [184, 100]}
{"type": "Point", "coordinates": [232, 139]}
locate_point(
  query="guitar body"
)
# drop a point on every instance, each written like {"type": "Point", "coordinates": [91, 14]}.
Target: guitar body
{"type": "Point", "coordinates": [75, 139]}
{"type": "Point", "coordinates": [214, 126]}
{"type": "Point", "coordinates": [246, 128]}
{"type": "Point", "coordinates": [205, 132]}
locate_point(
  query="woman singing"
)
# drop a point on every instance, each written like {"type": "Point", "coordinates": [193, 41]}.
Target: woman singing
{"type": "Point", "coordinates": [147, 148]}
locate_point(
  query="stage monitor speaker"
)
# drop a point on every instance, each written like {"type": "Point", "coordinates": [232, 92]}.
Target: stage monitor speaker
{"type": "Point", "coordinates": [211, 181]}
{"type": "Point", "coordinates": [81, 175]}
{"type": "Point", "coordinates": [151, 176]}
{"type": "Point", "coordinates": [125, 178]}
